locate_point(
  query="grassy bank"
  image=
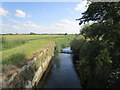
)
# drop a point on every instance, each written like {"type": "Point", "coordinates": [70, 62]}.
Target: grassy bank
{"type": "Point", "coordinates": [27, 50]}
{"type": "Point", "coordinates": [15, 56]}
{"type": "Point", "coordinates": [63, 42]}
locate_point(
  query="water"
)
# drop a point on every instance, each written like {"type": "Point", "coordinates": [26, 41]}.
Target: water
{"type": "Point", "coordinates": [61, 73]}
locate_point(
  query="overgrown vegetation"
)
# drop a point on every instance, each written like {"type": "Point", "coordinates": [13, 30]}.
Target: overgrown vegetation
{"type": "Point", "coordinates": [98, 49]}
{"type": "Point", "coordinates": [63, 42]}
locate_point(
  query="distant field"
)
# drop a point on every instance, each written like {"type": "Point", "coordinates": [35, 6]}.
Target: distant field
{"type": "Point", "coordinates": [10, 41]}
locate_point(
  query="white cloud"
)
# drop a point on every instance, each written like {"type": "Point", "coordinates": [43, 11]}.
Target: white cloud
{"type": "Point", "coordinates": [67, 26]}
{"type": "Point", "coordinates": [19, 27]}
{"type": "Point", "coordinates": [81, 6]}
{"type": "Point", "coordinates": [3, 12]}
{"type": "Point", "coordinates": [14, 21]}
{"type": "Point", "coordinates": [62, 26]}
{"type": "Point", "coordinates": [65, 21]}
{"type": "Point", "coordinates": [30, 24]}
{"type": "Point", "coordinates": [20, 13]}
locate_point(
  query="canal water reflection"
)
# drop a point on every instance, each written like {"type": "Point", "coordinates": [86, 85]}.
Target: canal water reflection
{"type": "Point", "coordinates": [61, 73]}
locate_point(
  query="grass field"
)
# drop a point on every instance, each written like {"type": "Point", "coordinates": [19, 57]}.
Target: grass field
{"type": "Point", "coordinates": [10, 41]}
{"type": "Point", "coordinates": [17, 49]}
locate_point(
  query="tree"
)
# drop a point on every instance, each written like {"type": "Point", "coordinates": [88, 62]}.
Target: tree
{"type": "Point", "coordinates": [31, 33]}
{"type": "Point", "coordinates": [107, 12]}
{"type": "Point", "coordinates": [65, 33]}
{"type": "Point", "coordinates": [104, 37]}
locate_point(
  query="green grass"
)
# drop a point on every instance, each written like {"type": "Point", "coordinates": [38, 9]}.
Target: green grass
{"type": "Point", "coordinates": [63, 42]}
{"type": "Point", "coordinates": [19, 54]}
{"type": "Point", "coordinates": [25, 51]}
{"type": "Point", "coordinates": [11, 41]}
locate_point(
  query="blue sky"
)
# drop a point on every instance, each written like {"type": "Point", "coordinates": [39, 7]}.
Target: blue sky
{"type": "Point", "coordinates": [41, 17]}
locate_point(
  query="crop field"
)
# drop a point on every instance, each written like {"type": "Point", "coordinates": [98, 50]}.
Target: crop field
{"type": "Point", "coordinates": [18, 49]}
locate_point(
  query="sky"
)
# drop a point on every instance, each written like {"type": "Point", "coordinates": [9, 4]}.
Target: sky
{"type": "Point", "coordinates": [41, 17]}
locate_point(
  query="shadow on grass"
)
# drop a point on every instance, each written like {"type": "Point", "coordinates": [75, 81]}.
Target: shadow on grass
{"type": "Point", "coordinates": [17, 59]}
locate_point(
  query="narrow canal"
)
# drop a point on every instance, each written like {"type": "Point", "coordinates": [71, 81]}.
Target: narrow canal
{"type": "Point", "coordinates": [61, 73]}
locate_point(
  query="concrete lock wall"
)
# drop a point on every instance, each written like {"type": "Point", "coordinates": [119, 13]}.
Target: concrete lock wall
{"type": "Point", "coordinates": [31, 73]}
